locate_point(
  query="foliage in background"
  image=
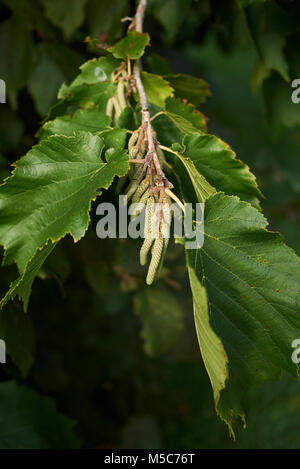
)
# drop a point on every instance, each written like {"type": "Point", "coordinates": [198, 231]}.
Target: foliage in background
{"type": "Point", "coordinates": [82, 330]}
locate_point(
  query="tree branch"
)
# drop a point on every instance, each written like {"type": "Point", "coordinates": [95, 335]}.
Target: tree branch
{"type": "Point", "coordinates": [140, 14]}
{"type": "Point", "coordinates": [146, 118]}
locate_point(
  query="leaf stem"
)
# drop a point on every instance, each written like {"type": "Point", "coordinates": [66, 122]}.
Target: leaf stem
{"type": "Point", "coordinates": [160, 113]}
{"type": "Point", "coordinates": [129, 67]}
{"type": "Point", "coordinates": [174, 197]}
{"type": "Point", "coordinates": [168, 149]}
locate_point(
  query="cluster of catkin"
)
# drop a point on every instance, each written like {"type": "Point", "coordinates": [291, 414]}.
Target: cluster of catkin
{"type": "Point", "coordinates": [142, 189]}
{"type": "Point", "coordinates": [157, 211]}
{"type": "Point", "coordinates": [117, 103]}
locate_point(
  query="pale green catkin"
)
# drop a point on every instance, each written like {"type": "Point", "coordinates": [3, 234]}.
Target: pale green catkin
{"type": "Point", "coordinates": [133, 151]}
{"type": "Point", "coordinates": [145, 197]}
{"type": "Point", "coordinates": [109, 108]}
{"type": "Point", "coordinates": [148, 241]}
{"type": "Point", "coordinates": [121, 95]}
{"type": "Point", "coordinates": [165, 230]}
{"type": "Point", "coordinates": [145, 249]}
{"type": "Point", "coordinates": [163, 254]}
{"type": "Point", "coordinates": [142, 201]}
{"type": "Point", "coordinates": [131, 189]}
{"type": "Point", "coordinates": [140, 194]}
{"type": "Point", "coordinates": [133, 139]}
{"type": "Point", "coordinates": [135, 172]}
{"type": "Point", "coordinates": [140, 191]}
{"type": "Point", "coordinates": [155, 260]}
{"type": "Point", "coordinates": [117, 107]}
{"type": "Point", "coordinates": [148, 218]}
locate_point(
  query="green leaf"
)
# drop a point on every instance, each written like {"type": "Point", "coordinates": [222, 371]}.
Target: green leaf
{"type": "Point", "coordinates": [66, 15]}
{"type": "Point", "coordinates": [92, 87]}
{"type": "Point", "coordinates": [212, 349]}
{"type": "Point", "coordinates": [170, 14]}
{"type": "Point", "coordinates": [193, 89]}
{"type": "Point", "coordinates": [114, 138]}
{"type": "Point", "coordinates": [165, 128]}
{"type": "Point", "coordinates": [131, 47]}
{"type": "Point", "coordinates": [92, 121]}
{"type": "Point", "coordinates": [50, 192]}
{"type": "Point", "coordinates": [66, 58]}
{"type": "Point", "coordinates": [252, 283]}
{"type": "Point", "coordinates": [43, 90]}
{"type": "Point", "coordinates": [85, 96]}
{"type": "Point", "coordinates": [186, 118]}
{"type": "Point", "coordinates": [32, 14]}
{"type": "Point", "coordinates": [158, 64]}
{"type": "Point", "coordinates": [162, 319]}
{"type": "Point", "coordinates": [274, 416]}
{"type": "Point", "coordinates": [156, 88]}
{"type": "Point", "coordinates": [268, 38]}
{"type": "Point", "coordinates": [16, 57]}
{"type": "Point", "coordinates": [184, 185]}
{"type": "Point", "coordinates": [128, 119]}
{"type": "Point", "coordinates": [272, 46]}
{"type": "Point", "coordinates": [260, 74]}
{"type": "Point", "coordinates": [16, 329]}
{"type": "Point", "coordinates": [281, 111]}
{"type": "Point", "coordinates": [215, 160]}
{"type": "Point", "coordinates": [202, 187]}
{"type": "Point", "coordinates": [31, 421]}
{"type": "Point", "coordinates": [104, 18]}
{"type": "Point", "coordinates": [21, 287]}
{"type": "Point", "coordinates": [178, 120]}
{"type": "Point", "coordinates": [95, 71]}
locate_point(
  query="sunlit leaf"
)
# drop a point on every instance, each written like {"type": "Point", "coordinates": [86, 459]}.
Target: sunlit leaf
{"type": "Point", "coordinates": [131, 47]}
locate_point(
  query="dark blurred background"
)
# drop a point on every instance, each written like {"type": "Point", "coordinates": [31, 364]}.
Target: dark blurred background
{"type": "Point", "coordinates": [81, 343]}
